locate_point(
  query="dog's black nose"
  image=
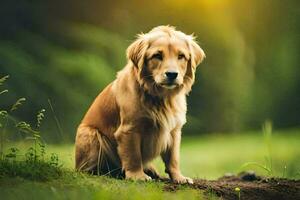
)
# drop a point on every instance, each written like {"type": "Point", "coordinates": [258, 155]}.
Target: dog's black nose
{"type": "Point", "coordinates": [171, 75]}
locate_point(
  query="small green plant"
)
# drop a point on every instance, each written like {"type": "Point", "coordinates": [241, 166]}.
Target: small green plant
{"type": "Point", "coordinates": [4, 91]}
{"type": "Point", "coordinates": [211, 194]}
{"type": "Point", "coordinates": [267, 131]}
{"type": "Point", "coordinates": [13, 152]}
{"type": "Point", "coordinates": [268, 166]}
{"type": "Point", "coordinates": [54, 160]}
{"type": "Point", "coordinates": [32, 164]}
{"type": "Point", "coordinates": [3, 117]}
{"type": "Point", "coordinates": [284, 172]}
{"type": "Point", "coordinates": [18, 103]}
{"type": "Point", "coordinates": [238, 192]}
{"type": "Point", "coordinates": [34, 134]}
{"type": "Point", "coordinates": [297, 174]}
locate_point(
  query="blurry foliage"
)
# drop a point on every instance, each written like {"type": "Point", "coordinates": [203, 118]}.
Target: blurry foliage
{"type": "Point", "coordinates": [68, 51]}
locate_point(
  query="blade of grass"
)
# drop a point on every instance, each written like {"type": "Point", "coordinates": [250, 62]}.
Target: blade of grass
{"type": "Point", "coordinates": [247, 164]}
{"type": "Point", "coordinates": [56, 120]}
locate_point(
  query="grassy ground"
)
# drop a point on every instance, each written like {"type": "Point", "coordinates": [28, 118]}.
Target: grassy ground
{"type": "Point", "coordinates": [209, 156]}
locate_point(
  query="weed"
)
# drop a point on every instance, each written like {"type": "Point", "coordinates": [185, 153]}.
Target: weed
{"type": "Point", "coordinates": [268, 166]}
{"type": "Point", "coordinates": [54, 160]}
{"type": "Point", "coordinates": [3, 117]}
{"type": "Point", "coordinates": [18, 103]}
{"type": "Point", "coordinates": [238, 191]}
{"type": "Point", "coordinates": [211, 194]}
{"type": "Point", "coordinates": [12, 154]}
{"type": "Point", "coordinates": [31, 164]}
{"type": "Point", "coordinates": [3, 79]}
{"type": "Point", "coordinates": [267, 132]}
{"type": "Point", "coordinates": [3, 91]}
{"type": "Point", "coordinates": [59, 128]}
{"type": "Point", "coordinates": [284, 172]}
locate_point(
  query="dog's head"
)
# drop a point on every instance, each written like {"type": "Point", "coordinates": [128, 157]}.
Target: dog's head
{"type": "Point", "coordinates": [165, 60]}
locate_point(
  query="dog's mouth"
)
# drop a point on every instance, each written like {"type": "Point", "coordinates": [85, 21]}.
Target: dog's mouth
{"type": "Point", "coordinates": [169, 85]}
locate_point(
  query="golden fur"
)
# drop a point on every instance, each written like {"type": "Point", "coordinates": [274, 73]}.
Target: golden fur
{"type": "Point", "coordinates": [139, 116]}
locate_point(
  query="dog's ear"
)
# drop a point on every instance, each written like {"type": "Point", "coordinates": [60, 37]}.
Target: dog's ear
{"type": "Point", "coordinates": [196, 57]}
{"type": "Point", "coordinates": [136, 51]}
{"type": "Point", "coordinates": [197, 54]}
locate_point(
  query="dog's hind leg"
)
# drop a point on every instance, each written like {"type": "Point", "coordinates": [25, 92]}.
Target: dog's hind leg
{"type": "Point", "coordinates": [94, 152]}
{"type": "Point", "coordinates": [86, 149]}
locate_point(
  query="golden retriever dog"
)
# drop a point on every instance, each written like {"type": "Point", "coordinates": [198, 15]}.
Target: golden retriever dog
{"type": "Point", "coordinates": [139, 115]}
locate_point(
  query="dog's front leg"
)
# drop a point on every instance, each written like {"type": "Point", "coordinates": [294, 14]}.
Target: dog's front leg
{"type": "Point", "coordinates": [171, 160]}
{"type": "Point", "coordinates": [129, 150]}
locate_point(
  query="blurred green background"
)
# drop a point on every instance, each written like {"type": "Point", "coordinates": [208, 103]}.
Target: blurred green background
{"type": "Point", "coordinates": [67, 51]}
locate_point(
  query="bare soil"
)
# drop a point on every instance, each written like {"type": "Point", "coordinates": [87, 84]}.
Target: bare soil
{"type": "Point", "coordinates": [252, 187]}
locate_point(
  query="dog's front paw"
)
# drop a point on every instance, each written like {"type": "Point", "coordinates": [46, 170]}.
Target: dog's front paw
{"type": "Point", "coordinates": [182, 179]}
{"type": "Point", "coordinates": [137, 176]}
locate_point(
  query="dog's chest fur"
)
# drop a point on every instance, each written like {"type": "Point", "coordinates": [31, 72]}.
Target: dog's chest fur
{"type": "Point", "coordinates": [161, 122]}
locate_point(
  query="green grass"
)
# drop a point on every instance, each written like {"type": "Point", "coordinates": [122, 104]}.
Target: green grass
{"type": "Point", "coordinates": [88, 187]}
{"type": "Point", "coordinates": [209, 156]}
{"type": "Point", "coordinates": [213, 155]}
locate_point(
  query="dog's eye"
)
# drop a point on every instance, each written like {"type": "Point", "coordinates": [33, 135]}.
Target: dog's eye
{"type": "Point", "coordinates": [157, 56]}
{"type": "Point", "coordinates": [181, 56]}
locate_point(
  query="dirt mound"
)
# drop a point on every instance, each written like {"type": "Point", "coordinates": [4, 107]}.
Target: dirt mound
{"type": "Point", "coordinates": [251, 187]}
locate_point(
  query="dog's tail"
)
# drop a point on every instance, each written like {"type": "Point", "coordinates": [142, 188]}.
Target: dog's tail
{"type": "Point", "coordinates": [95, 152]}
